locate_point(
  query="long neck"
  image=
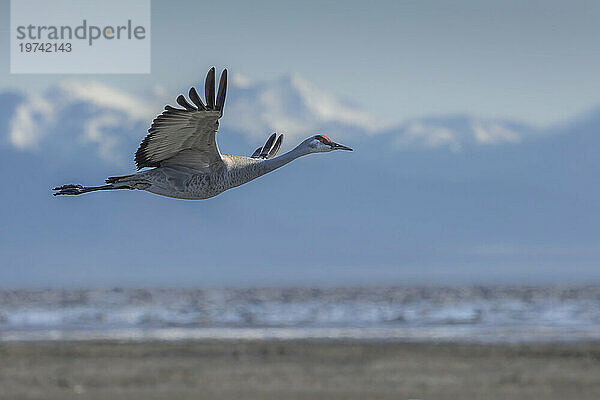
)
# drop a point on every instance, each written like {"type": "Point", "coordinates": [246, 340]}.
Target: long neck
{"type": "Point", "coordinates": [244, 169]}
{"type": "Point", "coordinates": [272, 164]}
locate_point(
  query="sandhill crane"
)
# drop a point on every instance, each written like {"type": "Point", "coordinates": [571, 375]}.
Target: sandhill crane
{"type": "Point", "coordinates": [181, 149]}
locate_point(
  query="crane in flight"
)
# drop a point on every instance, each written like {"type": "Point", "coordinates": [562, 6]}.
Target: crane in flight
{"type": "Point", "coordinates": [185, 161]}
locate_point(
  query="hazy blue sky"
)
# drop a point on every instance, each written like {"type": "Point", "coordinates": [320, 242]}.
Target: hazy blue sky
{"type": "Point", "coordinates": [440, 200]}
{"type": "Point", "coordinates": [536, 61]}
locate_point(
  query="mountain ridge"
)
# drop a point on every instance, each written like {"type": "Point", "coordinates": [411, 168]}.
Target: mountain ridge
{"type": "Point", "coordinates": [90, 114]}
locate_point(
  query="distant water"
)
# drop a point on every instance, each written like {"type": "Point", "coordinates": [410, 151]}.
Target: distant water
{"type": "Point", "coordinates": [469, 314]}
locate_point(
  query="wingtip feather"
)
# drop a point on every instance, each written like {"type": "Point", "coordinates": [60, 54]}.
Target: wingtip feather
{"type": "Point", "coordinates": [222, 91]}
{"type": "Point", "coordinates": [276, 147]}
{"type": "Point", "coordinates": [256, 153]}
{"type": "Point", "coordinates": [268, 145]}
{"type": "Point", "coordinates": [184, 103]}
{"type": "Point", "coordinates": [196, 98]}
{"type": "Point", "coordinates": [209, 89]}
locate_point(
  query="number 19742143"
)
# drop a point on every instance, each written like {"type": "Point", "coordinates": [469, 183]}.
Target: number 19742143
{"type": "Point", "coordinates": [35, 47]}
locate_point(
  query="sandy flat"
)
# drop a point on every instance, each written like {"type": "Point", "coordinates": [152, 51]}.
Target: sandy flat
{"type": "Point", "coordinates": [297, 370]}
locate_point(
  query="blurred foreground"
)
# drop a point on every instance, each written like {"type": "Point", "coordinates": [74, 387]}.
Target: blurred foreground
{"type": "Point", "coordinates": [484, 314]}
{"type": "Point", "coordinates": [297, 370]}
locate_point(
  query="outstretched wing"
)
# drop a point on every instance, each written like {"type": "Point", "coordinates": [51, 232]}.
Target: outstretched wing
{"type": "Point", "coordinates": [186, 136]}
{"type": "Point", "coordinates": [270, 149]}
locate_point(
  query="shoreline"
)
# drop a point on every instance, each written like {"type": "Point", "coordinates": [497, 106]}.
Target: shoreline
{"type": "Point", "coordinates": [313, 340]}
{"type": "Point", "coordinates": [298, 369]}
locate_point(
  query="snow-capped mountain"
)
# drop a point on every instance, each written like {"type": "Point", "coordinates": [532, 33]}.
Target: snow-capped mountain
{"type": "Point", "coordinates": [76, 115]}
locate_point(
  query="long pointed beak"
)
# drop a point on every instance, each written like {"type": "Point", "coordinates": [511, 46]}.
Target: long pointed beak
{"type": "Point", "coordinates": [337, 146]}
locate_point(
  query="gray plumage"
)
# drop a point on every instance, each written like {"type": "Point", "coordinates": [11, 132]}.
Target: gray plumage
{"type": "Point", "coordinates": [182, 151]}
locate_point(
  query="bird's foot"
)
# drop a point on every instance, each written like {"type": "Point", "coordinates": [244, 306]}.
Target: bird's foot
{"type": "Point", "coordinates": [69, 190]}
